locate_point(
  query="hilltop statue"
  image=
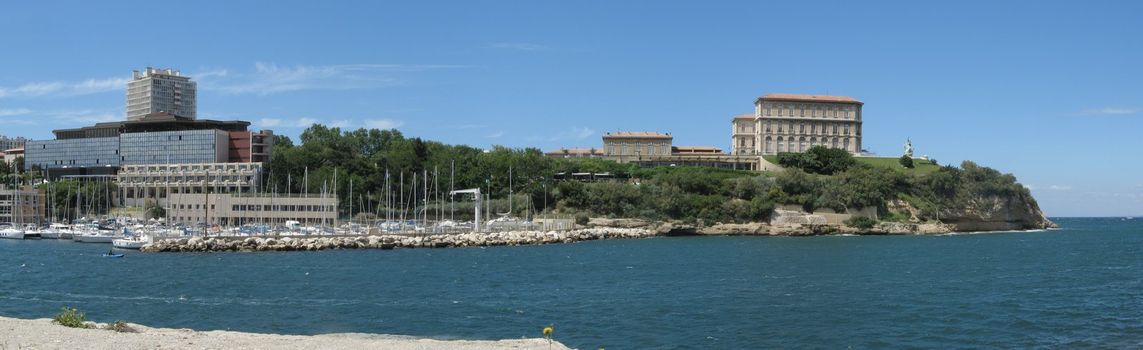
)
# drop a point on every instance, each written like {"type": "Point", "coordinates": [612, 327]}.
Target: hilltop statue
{"type": "Point", "coordinates": [908, 148]}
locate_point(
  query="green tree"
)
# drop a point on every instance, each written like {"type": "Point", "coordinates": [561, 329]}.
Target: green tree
{"type": "Point", "coordinates": [906, 161]}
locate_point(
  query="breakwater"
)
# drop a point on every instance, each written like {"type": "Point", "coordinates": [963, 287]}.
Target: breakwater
{"type": "Point", "coordinates": [313, 243]}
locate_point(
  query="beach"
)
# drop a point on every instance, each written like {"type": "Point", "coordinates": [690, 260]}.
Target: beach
{"type": "Point", "coordinates": [43, 334]}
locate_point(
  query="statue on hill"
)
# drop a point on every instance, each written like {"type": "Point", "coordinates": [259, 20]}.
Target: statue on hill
{"type": "Point", "coordinates": [908, 148]}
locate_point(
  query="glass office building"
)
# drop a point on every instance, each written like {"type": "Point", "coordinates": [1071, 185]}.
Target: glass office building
{"type": "Point", "coordinates": [71, 153]}
{"type": "Point", "coordinates": [174, 147]}
{"type": "Point", "coordinates": [167, 147]}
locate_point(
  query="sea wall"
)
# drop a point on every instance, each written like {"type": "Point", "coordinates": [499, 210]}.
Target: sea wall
{"type": "Point", "coordinates": [311, 243]}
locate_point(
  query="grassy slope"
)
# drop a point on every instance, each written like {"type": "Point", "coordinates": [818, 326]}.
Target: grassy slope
{"type": "Point", "coordinates": [921, 166]}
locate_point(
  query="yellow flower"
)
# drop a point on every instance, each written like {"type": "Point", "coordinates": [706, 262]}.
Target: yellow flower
{"type": "Point", "coordinates": [548, 332]}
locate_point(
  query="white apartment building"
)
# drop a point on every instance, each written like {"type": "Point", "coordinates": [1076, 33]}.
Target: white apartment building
{"type": "Point", "coordinates": [160, 90]}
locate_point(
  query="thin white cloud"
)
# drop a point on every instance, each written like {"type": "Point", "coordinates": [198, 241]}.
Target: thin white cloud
{"type": "Point", "coordinates": [582, 133]}
{"type": "Point", "coordinates": [59, 88]}
{"type": "Point", "coordinates": [1060, 188]}
{"type": "Point", "coordinates": [11, 112]}
{"type": "Point", "coordinates": [209, 74]}
{"type": "Point", "coordinates": [496, 135]}
{"type": "Point", "coordinates": [1111, 111]}
{"type": "Point", "coordinates": [301, 123]}
{"type": "Point", "coordinates": [344, 124]}
{"type": "Point", "coordinates": [269, 122]}
{"type": "Point", "coordinates": [73, 118]}
{"type": "Point", "coordinates": [270, 78]}
{"type": "Point", "coordinates": [305, 122]}
{"type": "Point", "coordinates": [383, 124]}
{"type": "Point", "coordinates": [518, 46]}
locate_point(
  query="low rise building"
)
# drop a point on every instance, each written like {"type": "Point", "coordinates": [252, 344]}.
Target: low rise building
{"type": "Point", "coordinates": [154, 183]}
{"type": "Point", "coordinates": [576, 153]}
{"type": "Point", "coordinates": [681, 150]}
{"type": "Point", "coordinates": [9, 156]}
{"type": "Point", "coordinates": [234, 209]}
{"type": "Point", "coordinates": [624, 146]}
{"type": "Point", "coordinates": [24, 205]}
{"type": "Point", "coordinates": [11, 142]}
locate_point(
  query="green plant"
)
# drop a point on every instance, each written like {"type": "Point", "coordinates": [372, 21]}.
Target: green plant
{"type": "Point", "coordinates": [906, 161]}
{"type": "Point", "coordinates": [581, 219]}
{"type": "Point", "coordinates": [71, 318]}
{"type": "Point", "coordinates": [119, 326]}
{"type": "Point", "coordinates": [861, 222]}
{"type": "Point", "coordinates": [893, 216]}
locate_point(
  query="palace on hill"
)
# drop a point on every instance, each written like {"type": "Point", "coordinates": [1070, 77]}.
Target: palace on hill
{"type": "Point", "coordinates": [780, 123]}
{"type": "Point", "coordinates": [795, 123]}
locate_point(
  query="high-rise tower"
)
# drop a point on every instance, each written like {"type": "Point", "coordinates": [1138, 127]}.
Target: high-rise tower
{"type": "Point", "coordinates": [160, 90]}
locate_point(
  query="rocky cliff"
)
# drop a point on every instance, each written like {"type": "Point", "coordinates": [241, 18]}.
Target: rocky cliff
{"type": "Point", "coordinates": [991, 213]}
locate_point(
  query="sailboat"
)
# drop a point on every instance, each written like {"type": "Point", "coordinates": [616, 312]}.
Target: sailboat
{"type": "Point", "coordinates": [13, 231]}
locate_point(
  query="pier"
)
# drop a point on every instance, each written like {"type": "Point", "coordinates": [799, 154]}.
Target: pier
{"type": "Point", "coordinates": [389, 241]}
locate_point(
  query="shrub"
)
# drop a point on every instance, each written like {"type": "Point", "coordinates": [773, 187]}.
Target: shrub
{"type": "Point", "coordinates": [861, 222]}
{"type": "Point", "coordinates": [71, 318]}
{"type": "Point", "coordinates": [581, 219]}
{"type": "Point", "coordinates": [819, 160]}
{"type": "Point", "coordinates": [906, 161]}
{"type": "Point", "coordinates": [897, 217]}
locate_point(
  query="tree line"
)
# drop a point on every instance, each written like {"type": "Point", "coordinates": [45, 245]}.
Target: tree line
{"type": "Point", "coordinates": [818, 178]}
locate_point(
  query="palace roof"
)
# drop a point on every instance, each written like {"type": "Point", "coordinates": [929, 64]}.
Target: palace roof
{"type": "Point", "coordinates": [809, 98]}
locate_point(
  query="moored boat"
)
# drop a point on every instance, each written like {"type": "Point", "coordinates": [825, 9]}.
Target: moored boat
{"type": "Point", "coordinates": [11, 233]}
{"type": "Point", "coordinates": [130, 242]}
{"type": "Point", "coordinates": [94, 237]}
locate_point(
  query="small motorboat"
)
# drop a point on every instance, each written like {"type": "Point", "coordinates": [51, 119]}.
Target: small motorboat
{"type": "Point", "coordinates": [112, 255]}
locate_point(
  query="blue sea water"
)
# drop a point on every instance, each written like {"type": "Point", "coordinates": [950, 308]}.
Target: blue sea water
{"type": "Point", "coordinates": [1079, 286]}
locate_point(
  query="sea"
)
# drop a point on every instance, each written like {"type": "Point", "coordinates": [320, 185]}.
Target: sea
{"type": "Point", "coordinates": [1079, 286]}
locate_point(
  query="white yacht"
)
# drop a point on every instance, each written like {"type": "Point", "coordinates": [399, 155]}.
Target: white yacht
{"type": "Point", "coordinates": [94, 235]}
{"type": "Point", "coordinates": [134, 242]}
{"type": "Point", "coordinates": [11, 232]}
{"type": "Point", "coordinates": [56, 231]}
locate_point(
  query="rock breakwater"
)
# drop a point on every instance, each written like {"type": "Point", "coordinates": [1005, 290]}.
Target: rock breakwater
{"type": "Point", "coordinates": [312, 243]}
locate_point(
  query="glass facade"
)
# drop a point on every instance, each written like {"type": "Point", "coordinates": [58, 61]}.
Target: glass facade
{"type": "Point", "coordinates": [89, 152]}
{"type": "Point", "coordinates": [167, 147]}
{"type": "Point", "coordinates": [174, 147]}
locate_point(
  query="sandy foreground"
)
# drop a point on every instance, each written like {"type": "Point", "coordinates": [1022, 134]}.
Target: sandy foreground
{"type": "Point", "coordinates": [43, 334]}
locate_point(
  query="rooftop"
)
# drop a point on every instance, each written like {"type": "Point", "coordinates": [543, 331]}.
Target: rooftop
{"type": "Point", "coordinates": [153, 122]}
{"type": "Point", "coordinates": [699, 148]}
{"type": "Point", "coordinates": [745, 116]}
{"type": "Point", "coordinates": [809, 98]}
{"type": "Point", "coordinates": [637, 134]}
{"type": "Point", "coordinates": [577, 151]}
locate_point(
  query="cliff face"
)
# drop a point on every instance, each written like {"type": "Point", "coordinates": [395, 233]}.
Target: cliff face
{"type": "Point", "coordinates": [994, 213]}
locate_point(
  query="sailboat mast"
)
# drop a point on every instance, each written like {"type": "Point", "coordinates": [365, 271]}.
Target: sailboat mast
{"type": "Point", "coordinates": [451, 187]}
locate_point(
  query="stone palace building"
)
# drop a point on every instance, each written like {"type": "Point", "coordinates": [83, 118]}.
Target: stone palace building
{"type": "Point", "coordinates": [795, 123]}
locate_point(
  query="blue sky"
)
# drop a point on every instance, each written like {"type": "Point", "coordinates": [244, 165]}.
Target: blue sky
{"type": "Point", "coordinates": [1049, 91]}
